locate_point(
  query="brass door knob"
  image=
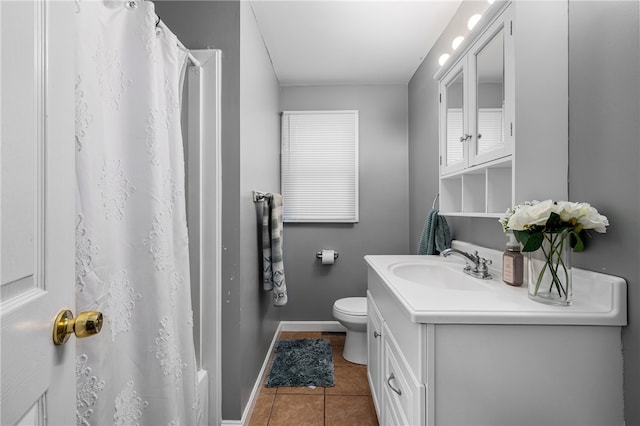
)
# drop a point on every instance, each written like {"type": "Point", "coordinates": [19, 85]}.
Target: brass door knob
{"type": "Point", "coordinates": [86, 324]}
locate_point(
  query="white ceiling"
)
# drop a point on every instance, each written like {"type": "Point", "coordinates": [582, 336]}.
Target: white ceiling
{"type": "Point", "coordinates": [322, 42]}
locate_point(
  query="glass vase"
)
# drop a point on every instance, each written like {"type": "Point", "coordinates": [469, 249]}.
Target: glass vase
{"type": "Point", "coordinates": [549, 270]}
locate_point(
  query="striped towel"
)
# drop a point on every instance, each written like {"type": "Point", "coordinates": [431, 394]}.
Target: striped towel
{"type": "Point", "coordinates": [435, 234]}
{"type": "Point", "coordinates": [273, 266]}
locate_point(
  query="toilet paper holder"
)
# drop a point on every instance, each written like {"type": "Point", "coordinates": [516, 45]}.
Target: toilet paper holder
{"type": "Point", "coordinates": [335, 255]}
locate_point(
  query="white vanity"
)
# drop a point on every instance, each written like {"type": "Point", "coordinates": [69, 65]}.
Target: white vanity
{"type": "Point", "coordinates": [449, 349]}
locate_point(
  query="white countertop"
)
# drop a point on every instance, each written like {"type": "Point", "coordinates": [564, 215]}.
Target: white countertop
{"type": "Point", "coordinates": [598, 299]}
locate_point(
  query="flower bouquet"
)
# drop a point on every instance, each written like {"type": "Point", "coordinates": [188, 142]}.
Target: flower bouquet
{"type": "Point", "coordinates": [547, 231]}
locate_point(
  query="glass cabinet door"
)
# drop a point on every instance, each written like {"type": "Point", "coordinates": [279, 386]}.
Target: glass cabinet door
{"type": "Point", "coordinates": [490, 139]}
{"type": "Point", "coordinates": [454, 121]}
{"type": "Point", "coordinates": [490, 96]}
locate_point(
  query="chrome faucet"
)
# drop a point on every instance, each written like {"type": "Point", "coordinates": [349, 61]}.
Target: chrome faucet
{"type": "Point", "coordinates": [479, 269]}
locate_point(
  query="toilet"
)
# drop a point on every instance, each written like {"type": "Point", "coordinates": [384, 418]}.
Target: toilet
{"type": "Point", "coordinates": [351, 312]}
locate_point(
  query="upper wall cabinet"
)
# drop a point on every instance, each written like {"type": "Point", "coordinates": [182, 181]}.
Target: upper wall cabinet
{"type": "Point", "coordinates": [475, 102]}
{"type": "Point", "coordinates": [503, 111]}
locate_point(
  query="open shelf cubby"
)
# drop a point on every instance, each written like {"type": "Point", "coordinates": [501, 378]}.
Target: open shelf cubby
{"type": "Point", "coordinates": [485, 191]}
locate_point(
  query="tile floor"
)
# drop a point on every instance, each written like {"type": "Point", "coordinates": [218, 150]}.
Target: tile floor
{"type": "Point", "coordinates": [348, 403]}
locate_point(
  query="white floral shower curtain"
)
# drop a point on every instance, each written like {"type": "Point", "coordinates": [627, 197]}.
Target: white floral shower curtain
{"type": "Point", "coordinates": [131, 235]}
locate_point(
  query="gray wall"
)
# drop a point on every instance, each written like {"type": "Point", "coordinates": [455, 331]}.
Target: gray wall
{"type": "Point", "coordinates": [248, 322]}
{"type": "Point", "coordinates": [604, 151]}
{"type": "Point", "coordinates": [260, 170]}
{"type": "Point", "coordinates": [383, 226]}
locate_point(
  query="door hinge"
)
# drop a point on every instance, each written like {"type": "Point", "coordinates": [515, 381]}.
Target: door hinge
{"type": "Point", "coordinates": [511, 128]}
{"type": "Point", "coordinates": [440, 97]}
{"type": "Point", "coordinates": [510, 27]}
{"type": "Point", "coordinates": [441, 160]}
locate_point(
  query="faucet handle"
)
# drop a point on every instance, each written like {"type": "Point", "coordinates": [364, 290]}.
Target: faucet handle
{"type": "Point", "coordinates": [482, 264]}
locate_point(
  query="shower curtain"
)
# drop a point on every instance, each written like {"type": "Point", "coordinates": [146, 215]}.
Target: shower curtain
{"type": "Point", "coordinates": [131, 234]}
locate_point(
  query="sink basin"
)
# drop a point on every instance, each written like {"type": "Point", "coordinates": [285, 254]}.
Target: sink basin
{"type": "Point", "coordinates": [437, 274]}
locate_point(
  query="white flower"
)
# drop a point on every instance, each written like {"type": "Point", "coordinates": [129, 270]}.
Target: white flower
{"type": "Point", "coordinates": [589, 218]}
{"type": "Point", "coordinates": [530, 214]}
{"type": "Point", "coordinates": [536, 213]}
{"type": "Point", "coordinates": [566, 210]}
{"type": "Point", "coordinates": [583, 214]}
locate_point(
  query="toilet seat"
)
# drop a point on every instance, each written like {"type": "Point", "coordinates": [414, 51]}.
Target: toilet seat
{"type": "Point", "coordinates": [352, 306]}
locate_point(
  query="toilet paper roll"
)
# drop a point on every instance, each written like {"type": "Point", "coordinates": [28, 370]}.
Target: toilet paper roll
{"type": "Point", "coordinates": [328, 257]}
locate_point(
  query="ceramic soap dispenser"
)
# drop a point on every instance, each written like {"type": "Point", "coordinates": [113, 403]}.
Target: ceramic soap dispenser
{"type": "Point", "coordinates": [512, 263]}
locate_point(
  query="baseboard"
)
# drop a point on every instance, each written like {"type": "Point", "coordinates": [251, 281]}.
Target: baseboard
{"type": "Point", "coordinates": [328, 326]}
{"type": "Point", "coordinates": [246, 415]}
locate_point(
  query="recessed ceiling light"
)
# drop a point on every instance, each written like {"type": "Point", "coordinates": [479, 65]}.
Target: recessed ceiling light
{"type": "Point", "coordinates": [491, 1]}
{"type": "Point", "coordinates": [443, 59]}
{"type": "Point", "coordinates": [456, 42]}
{"type": "Point", "coordinates": [473, 21]}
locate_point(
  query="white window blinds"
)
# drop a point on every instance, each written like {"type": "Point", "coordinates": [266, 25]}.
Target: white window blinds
{"type": "Point", "coordinates": [491, 127]}
{"type": "Point", "coordinates": [455, 130]}
{"type": "Point", "coordinates": [320, 166]}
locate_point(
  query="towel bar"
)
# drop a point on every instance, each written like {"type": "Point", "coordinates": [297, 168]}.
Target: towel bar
{"type": "Point", "coordinates": [259, 196]}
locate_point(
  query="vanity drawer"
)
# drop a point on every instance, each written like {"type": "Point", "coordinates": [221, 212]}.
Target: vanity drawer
{"type": "Point", "coordinates": [403, 389]}
{"type": "Point", "coordinates": [393, 415]}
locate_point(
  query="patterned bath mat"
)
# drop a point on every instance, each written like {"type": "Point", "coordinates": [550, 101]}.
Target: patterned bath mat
{"type": "Point", "coordinates": [302, 362]}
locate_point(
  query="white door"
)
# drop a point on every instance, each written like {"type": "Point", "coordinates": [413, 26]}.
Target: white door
{"type": "Point", "coordinates": [37, 40]}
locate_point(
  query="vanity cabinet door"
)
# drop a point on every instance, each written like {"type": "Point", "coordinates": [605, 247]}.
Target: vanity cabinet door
{"type": "Point", "coordinates": [374, 348]}
{"type": "Point", "coordinates": [490, 93]}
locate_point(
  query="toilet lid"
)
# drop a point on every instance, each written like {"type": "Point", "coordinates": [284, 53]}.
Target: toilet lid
{"type": "Point", "coordinates": [356, 306]}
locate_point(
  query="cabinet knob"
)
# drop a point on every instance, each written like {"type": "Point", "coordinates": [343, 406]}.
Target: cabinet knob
{"type": "Point", "coordinates": [376, 334]}
{"type": "Point", "coordinates": [465, 137]}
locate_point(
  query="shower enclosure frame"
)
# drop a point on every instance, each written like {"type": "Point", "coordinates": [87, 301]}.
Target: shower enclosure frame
{"type": "Point", "coordinates": [203, 193]}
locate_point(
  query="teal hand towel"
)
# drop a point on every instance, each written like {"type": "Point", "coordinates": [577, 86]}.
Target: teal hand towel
{"type": "Point", "coordinates": [436, 235]}
{"type": "Point", "coordinates": [442, 234]}
{"type": "Point", "coordinates": [427, 239]}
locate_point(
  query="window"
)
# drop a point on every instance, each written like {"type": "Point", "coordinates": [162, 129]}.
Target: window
{"type": "Point", "coordinates": [490, 129]}
{"type": "Point", "coordinates": [455, 130]}
{"type": "Point", "coordinates": [320, 166]}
